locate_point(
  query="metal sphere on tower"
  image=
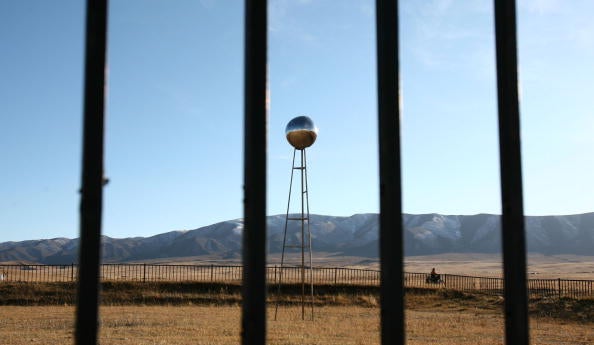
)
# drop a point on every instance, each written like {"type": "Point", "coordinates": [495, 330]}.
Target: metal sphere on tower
{"type": "Point", "coordinates": [301, 132]}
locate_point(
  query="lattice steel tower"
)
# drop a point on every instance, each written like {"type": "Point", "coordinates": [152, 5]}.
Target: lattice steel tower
{"type": "Point", "coordinates": [301, 133]}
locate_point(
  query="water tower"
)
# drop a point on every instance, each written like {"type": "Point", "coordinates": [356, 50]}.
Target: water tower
{"type": "Point", "coordinates": [301, 134]}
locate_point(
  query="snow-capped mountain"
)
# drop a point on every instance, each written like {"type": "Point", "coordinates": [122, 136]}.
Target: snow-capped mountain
{"type": "Point", "coordinates": [356, 235]}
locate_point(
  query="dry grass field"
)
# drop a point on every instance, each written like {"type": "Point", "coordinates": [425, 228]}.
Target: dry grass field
{"type": "Point", "coordinates": [176, 313]}
{"type": "Point", "coordinates": [222, 270]}
{"type": "Point", "coordinates": [130, 325]}
{"type": "Point", "coordinates": [488, 265]}
{"type": "Point", "coordinates": [430, 319]}
{"type": "Point", "coordinates": [491, 265]}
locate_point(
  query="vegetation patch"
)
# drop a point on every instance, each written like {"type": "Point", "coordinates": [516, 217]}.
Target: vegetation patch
{"type": "Point", "coordinates": [581, 310]}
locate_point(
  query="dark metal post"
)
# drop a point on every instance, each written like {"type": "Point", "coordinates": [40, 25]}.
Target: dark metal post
{"type": "Point", "coordinates": [512, 220]}
{"type": "Point", "coordinates": [391, 252]}
{"type": "Point", "coordinates": [92, 173]}
{"type": "Point", "coordinates": [253, 320]}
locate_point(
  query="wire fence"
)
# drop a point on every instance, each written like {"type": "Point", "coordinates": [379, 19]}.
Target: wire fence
{"type": "Point", "coordinates": [291, 274]}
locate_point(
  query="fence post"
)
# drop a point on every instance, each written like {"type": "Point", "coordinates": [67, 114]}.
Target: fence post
{"type": "Point", "coordinates": [72, 272]}
{"type": "Point", "coordinates": [275, 273]}
{"type": "Point", "coordinates": [335, 273]}
{"type": "Point", "coordinates": [559, 287]}
{"type": "Point", "coordinates": [144, 272]}
{"type": "Point", "coordinates": [211, 273]}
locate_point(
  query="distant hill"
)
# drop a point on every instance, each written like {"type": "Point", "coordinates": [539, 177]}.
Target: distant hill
{"type": "Point", "coordinates": [356, 235]}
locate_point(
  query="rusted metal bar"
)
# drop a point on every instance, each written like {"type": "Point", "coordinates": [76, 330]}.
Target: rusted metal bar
{"type": "Point", "coordinates": [253, 320]}
{"type": "Point", "coordinates": [391, 229]}
{"type": "Point", "coordinates": [512, 220]}
{"type": "Point", "coordinates": [92, 173]}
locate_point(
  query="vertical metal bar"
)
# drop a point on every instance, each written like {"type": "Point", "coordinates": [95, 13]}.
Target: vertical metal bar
{"type": "Point", "coordinates": [253, 320]}
{"type": "Point", "coordinates": [512, 220]}
{"type": "Point", "coordinates": [391, 283]}
{"type": "Point", "coordinates": [92, 173]}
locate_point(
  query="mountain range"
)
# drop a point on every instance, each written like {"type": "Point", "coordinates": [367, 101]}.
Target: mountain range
{"type": "Point", "coordinates": [356, 235]}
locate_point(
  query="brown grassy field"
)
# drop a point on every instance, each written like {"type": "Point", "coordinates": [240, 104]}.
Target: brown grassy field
{"type": "Point", "coordinates": [179, 313]}
{"type": "Point", "coordinates": [485, 265]}
{"type": "Point", "coordinates": [445, 318]}
{"type": "Point", "coordinates": [220, 325]}
{"type": "Point", "coordinates": [488, 265]}
{"type": "Point", "coordinates": [491, 265]}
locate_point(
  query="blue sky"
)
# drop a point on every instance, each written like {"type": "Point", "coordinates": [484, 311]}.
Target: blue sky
{"type": "Point", "coordinates": [175, 110]}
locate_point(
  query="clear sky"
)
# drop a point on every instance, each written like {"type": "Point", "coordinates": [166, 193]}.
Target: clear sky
{"type": "Point", "coordinates": [175, 110]}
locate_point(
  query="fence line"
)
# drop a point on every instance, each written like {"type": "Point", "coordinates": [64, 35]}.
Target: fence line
{"type": "Point", "coordinates": [559, 288]}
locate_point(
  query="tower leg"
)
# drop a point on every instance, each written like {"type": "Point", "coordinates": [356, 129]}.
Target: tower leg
{"type": "Point", "coordinates": [309, 239]}
{"type": "Point", "coordinates": [280, 275]}
{"type": "Point", "coordinates": [305, 233]}
{"type": "Point", "coordinates": [302, 236]}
